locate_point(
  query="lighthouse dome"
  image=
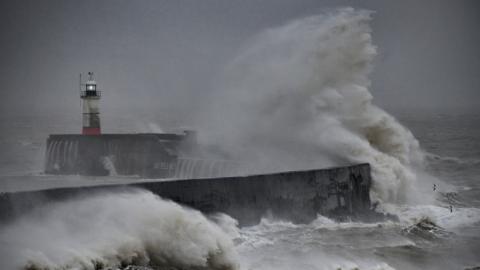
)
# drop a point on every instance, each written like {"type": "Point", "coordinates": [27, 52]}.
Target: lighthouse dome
{"type": "Point", "coordinates": [91, 85]}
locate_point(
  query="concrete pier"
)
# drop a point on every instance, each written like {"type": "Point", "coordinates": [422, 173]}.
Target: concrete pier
{"type": "Point", "coordinates": [340, 193]}
{"type": "Point", "coordinates": [151, 155]}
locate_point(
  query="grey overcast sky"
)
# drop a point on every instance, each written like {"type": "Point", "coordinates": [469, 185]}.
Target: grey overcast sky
{"type": "Point", "coordinates": [163, 55]}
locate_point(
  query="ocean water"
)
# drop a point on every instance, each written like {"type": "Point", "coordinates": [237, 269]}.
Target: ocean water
{"type": "Point", "coordinates": [452, 141]}
{"type": "Point", "coordinates": [309, 77]}
{"type": "Point", "coordinates": [139, 227]}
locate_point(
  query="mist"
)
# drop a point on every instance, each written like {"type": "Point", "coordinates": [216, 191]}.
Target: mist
{"type": "Point", "coordinates": [163, 65]}
{"type": "Point", "coordinates": [157, 61]}
{"type": "Point", "coordinates": [297, 97]}
{"type": "Point", "coordinates": [273, 85]}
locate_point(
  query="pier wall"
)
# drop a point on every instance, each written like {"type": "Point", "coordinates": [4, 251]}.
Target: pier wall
{"type": "Point", "coordinates": [151, 155]}
{"type": "Point", "coordinates": [340, 193]}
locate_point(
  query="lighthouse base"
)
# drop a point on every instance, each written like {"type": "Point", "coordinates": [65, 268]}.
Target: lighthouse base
{"type": "Point", "coordinates": [91, 131]}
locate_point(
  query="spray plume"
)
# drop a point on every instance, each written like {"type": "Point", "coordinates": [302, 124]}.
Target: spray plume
{"type": "Point", "coordinates": [297, 97]}
{"type": "Point", "coordinates": [109, 230]}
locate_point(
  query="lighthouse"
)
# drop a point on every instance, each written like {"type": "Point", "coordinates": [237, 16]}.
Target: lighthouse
{"type": "Point", "coordinates": [90, 98]}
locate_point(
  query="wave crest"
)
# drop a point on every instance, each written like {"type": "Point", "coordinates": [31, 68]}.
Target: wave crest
{"type": "Point", "coordinates": [297, 98]}
{"type": "Point", "coordinates": [118, 229]}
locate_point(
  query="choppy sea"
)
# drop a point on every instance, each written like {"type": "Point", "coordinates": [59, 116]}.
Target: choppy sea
{"type": "Point", "coordinates": [425, 237]}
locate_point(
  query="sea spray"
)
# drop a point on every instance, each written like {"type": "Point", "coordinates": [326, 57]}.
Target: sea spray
{"type": "Point", "coordinates": [115, 229]}
{"type": "Point", "coordinates": [297, 98]}
{"type": "Point", "coordinates": [321, 245]}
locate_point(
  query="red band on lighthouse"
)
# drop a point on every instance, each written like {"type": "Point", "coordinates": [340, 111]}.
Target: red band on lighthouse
{"type": "Point", "coordinates": [91, 131]}
{"type": "Point", "coordinates": [90, 97]}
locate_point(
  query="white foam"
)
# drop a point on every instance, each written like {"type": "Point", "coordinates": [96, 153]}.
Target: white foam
{"type": "Point", "coordinates": [109, 165]}
{"type": "Point", "coordinates": [322, 222]}
{"type": "Point", "coordinates": [440, 215]}
{"type": "Point", "coordinates": [279, 245]}
{"type": "Point", "coordinates": [113, 228]}
{"type": "Point", "coordinates": [297, 97]}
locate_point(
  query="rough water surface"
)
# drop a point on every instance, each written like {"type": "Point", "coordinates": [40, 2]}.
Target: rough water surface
{"type": "Point", "coordinates": [298, 98]}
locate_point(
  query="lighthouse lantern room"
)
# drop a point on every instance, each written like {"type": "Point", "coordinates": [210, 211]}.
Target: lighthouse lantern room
{"type": "Point", "coordinates": [90, 98]}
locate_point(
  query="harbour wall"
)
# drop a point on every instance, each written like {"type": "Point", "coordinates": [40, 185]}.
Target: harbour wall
{"type": "Point", "coordinates": [152, 155]}
{"type": "Point", "coordinates": [340, 193]}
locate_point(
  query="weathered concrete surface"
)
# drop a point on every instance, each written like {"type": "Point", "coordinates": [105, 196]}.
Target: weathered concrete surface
{"type": "Point", "coordinates": [299, 196]}
{"type": "Point", "coordinates": [130, 154]}
{"type": "Point", "coordinates": [152, 155]}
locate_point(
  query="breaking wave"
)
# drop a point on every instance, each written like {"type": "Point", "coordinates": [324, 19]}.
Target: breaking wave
{"type": "Point", "coordinates": [443, 217]}
{"type": "Point", "coordinates": [297, 97]}
{"type": "Point", "coordinates": [325, 244]}
{"type": "Point", "coordinates": [320, 245]}
{"type": "Point", "coordinates": [114, 230]}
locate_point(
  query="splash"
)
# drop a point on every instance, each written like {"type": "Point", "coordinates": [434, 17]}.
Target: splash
{"type": "Point", "coordinates": [297, 98]}
{"type": "Point", "coordinates": [109, 165]}
{"type": "Point", "coordinates": [113, 230]}
{"type": "Point", "coordinates": [451, 220]}
{"type": "Point", "coordinates": [319, 245]}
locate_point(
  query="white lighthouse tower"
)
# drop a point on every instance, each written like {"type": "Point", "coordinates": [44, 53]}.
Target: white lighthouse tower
{"type": "Point", "coordinates": [90, 98]}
